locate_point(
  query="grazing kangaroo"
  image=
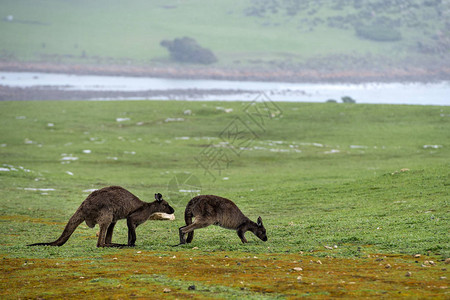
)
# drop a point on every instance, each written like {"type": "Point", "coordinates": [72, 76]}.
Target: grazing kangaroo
{"type": "Point", "coordinates": [105, 207]}
{"type": "Point", "coordinates": [214, 210]}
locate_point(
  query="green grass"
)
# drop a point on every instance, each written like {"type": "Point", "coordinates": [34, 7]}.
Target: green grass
{"type": "Point", "coordinates": [307, 196]}
{"type": "Point", "coordinates": [101, 31]}
{"type": "Point", "coordinates": [354, 199]}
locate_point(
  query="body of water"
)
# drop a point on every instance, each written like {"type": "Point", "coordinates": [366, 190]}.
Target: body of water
{"type": "Point", "coordinates": [375, 93]}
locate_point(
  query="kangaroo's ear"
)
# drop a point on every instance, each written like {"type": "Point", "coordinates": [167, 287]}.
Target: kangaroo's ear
{"type": "Point", "coordinates": [259, 222]}
{"type": "Point", "coordinates": [158, 197]}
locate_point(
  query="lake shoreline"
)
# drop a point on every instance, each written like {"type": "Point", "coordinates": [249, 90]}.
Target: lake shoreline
{"type": "Point", "coordinates": [17, 86]}
{"type": "Point", "coordinates": [352, 76]}
{"type": "Point", "coordinates": [49, 93]}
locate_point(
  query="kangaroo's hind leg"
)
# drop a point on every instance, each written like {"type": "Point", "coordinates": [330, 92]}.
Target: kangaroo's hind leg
{"type": "Point", "coordinates": [101, 242]}
{"type": "Point", "coordinates": [182, 240]}
{"type": "Point", "coordinates": [190, 234]}
{"type": "Point", "coordinates": [106, 229]}
{"type": "Point", "coordinates": [109, 233]}
{"type": "Point", "coordinates": [197, 224]}
{"type": "Point", "coordinates": [102, 237]}
{"type": "Point", "coordinates": [188, 215]}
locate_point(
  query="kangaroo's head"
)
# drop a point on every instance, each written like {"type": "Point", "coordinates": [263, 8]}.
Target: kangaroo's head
{"type": "Point", "coordinates": [162, 205]}
{"type": "Point", "coordinates": [260, 231]}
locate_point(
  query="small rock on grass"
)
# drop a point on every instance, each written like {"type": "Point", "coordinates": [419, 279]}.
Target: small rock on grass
{"type": "Point", "coordinates": [429, 263]}
{"type": "Point", "coordinates": [191, 288]}
{"type": "Point", "coordinates": [167, 290]}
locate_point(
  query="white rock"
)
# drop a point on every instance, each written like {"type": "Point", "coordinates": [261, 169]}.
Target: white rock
{"type": "Point", "coordinates": [37, 189]}
{"type": "Point", "coordinates": [174, 120]}
{"type": "Point", "coordinates": [122, 119]}
{"type": "Point", "coordinates": [69, 158]}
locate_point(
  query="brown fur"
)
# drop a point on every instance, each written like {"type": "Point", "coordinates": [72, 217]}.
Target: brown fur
{"type": "Point", "coordinates": [105, 207]}
{"type": "Point", "coordinates": [214, 210]}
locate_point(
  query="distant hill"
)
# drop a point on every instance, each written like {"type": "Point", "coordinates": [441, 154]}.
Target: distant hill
{"type": "Point", "coordinates": [291, 38]}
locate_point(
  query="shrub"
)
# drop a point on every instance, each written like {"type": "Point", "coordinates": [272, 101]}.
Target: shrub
{"type": "Point", "coordinates": [347, 99]}
{"type": "Point", "coordinates": [381, 33]}
{"type": "Point", "coordinates": [187, 50]}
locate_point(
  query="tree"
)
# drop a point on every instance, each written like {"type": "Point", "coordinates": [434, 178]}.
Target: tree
{"type": "Point", "coordinates": [187, 50]}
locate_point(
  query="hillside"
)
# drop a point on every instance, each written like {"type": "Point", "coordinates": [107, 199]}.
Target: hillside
{"type": "Point", "coordinates": [289, 38]}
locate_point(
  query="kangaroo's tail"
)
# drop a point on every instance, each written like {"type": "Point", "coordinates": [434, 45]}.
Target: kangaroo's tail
{"type": "Point", "coordinates": [73, 223]}
{"type": "Point", "coordinates": [188, 219]}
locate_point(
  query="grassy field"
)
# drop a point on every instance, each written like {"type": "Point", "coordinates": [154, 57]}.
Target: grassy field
{"type": "Point", "coordinates": [131, 31]}
{"type": "Point", "coordinates": [348, 193]}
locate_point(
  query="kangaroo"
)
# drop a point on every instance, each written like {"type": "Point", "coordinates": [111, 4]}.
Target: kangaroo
{"type": "Point", "coordinates": [214, 210]}
{"type": "Point", "coordinates": [105, 207]}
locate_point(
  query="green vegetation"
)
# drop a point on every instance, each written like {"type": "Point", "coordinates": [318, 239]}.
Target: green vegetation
{"type": "Point", "coordinates": [336, 182]}
{"type": "Point", "coordinates": [318, 174]}
{"type": "Point", "coordinates": [261, 33]}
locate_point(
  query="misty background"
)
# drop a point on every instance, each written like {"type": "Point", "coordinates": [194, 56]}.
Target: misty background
{"type": "Point", "coordinates": [283, 40]}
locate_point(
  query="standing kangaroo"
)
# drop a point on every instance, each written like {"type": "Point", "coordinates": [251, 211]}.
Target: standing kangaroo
{"type": "Point", "coordinates": [214, 210]}
{"type": "Point", "coordinates": [105, 207]}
